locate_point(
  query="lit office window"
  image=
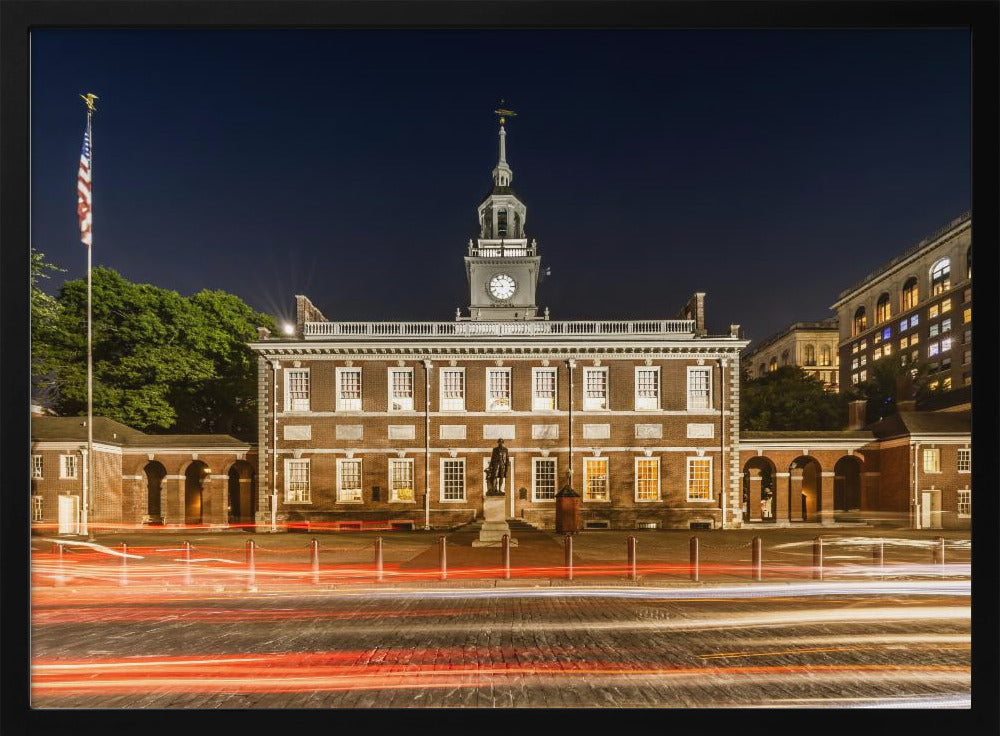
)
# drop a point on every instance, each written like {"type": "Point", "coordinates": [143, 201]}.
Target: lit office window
{"type": "Point", "coordinates": [647, 479]}
{"type": "Point", "coordinates": [595, 479]}
{"type": "Point", "coordinates": [932, 460]}
{"type": "Point", "coordinates": [699, 478]}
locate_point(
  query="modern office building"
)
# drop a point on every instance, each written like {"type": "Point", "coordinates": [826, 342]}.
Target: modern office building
{"type": "Point", "coordinates": [813, 346]}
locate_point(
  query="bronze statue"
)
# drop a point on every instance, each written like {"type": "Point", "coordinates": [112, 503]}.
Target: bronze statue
{"type": "Point", "coordinates": [498, 469]}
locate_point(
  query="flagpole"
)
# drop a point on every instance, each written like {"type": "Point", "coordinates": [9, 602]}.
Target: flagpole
{"type": "Point", "coordinates": [88, 488]}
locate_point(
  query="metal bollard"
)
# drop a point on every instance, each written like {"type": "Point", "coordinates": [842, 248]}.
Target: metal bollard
{"type": "Point", "coordinates": [443, 558]}
{"type": "Point", "coordinates": [569, 556]}
{"type": "Point", "coordinates": [939, 550]}
{"type": "Point", "coordinates": [251, 566]}
{"type": "Point", "coordinates": [187, 563]}
{"type": "Point", "coordinates": [123, 580]}
{"type": "Point", "coordinates": [314, 560]}
{"type": "Point", "coordinates": [694, 559]}
{"type": "Point", "coordinates": [505, 546]}
{"type": "Point", "coordinates": [818, 558]}
{"type": "Point", "coordinates": [378, 559]}
{"type": "Point", "coordinates": [878, 558]}
{"type": "Point", "coordinates": [631, 558]}
{"type": "Point", "coordinates": [755, 564]}
{"type": "Point", "coordinates": [60, 578]}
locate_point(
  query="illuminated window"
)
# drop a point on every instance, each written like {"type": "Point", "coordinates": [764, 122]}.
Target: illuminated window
{"type": "Point", "coordinates": [932, 460]}
{"type": "Point", "coordinates": [699, 479]}
{"type": "Point", "coordinates": [863, 376]}
{"type": "Point", "coordinates": [904, 342]}
{"type": "Point", "coordinates": [543, 396]}
{"type": "Point", "coordinates": [903, 324]}
{"type": "Point", "coordinates": [946, 306]}
{"type": "Point", "coordinates": [809, 355]}
{"type": "Point", "coordinates": [887, 349]}
{"type": "Point", "coordinates": [860, 323]}
{"type": "Point", "coordinates": [699, 388]}
{"type": "Point", "coordinates": [349, 481]}
{"type": "Point", "coordinates": [864, 360]}
{"type": "Point", "coordinates": [887, 333]}
{"type": "Point", "coordinates": [824, 355]}
{"type": "Point", "coordinates": [914, 339]}
{"type": "Point", "coordinates": [932, 349]}
{"type": "Point", "coordinates": [910, 293]}
{"type": "Point", "coordinates": [945, 344]}
{"type": "Point", "coordinates": [940, 277]}
{"type": "Point", "coordinates": [967, 314]}
{"type": "Point", "coordinates": [966, 357]}
{"type": "Point", "coordinates": [946, 383]}
{"type": "Point", "coordinates": [854, 348]}
{"type": "Point", "coordinates": [453, 479]}
{"type": "Point", "coordinates": [914, 320]}
{"type": "Point", "coordinates": [854, 378]}
{"type": "Point", "coordinates": [883, 312]}
{"type": "Point", "coordinates": [933, 311]}
{"type": "Point", "coordinates": [968, 263]}
{"type": "Point", "coordinates": [863, 345]}
{"type": "Point", "coordinates": [877, 355]}
{"type": "Point", "coordinates": [647, 479]}
{"type": "Point", "coordinates": [543, 478]}
{"type": "Point", "coordinates": [877, 338]}
{"type": "Point", "coordinates": [595, 388]}
{"type": "Point", "coordinates": [452, 389]}
{"type": "Point", "coordinates": [297, 389]}
{"type": "Point", "coordinates": [67, 466]}
{"type": "Point", "coordinates": [933, 331]}
{"type": "Point", "coordinates": [773, 366]}
{"type": "Point", "coordinates": [945, 325]}
{"type": "Point", "coordinates": [36, 466]}
{"type": "Point", "coordinates": [498, 389]}
{"type": "Point", "coordinates": [854, 364]}
{"type": "Point", "coordinates": [647, 388]}
{"type": "Point", "coordinates": [296, 481]}
{"type": "Point", "coordinates": [400, 389]}
{"type": "Point", "coordinates": [401, 480]}
{"type": "Point", "coordinates": [965, 503]}
{"type": "Point", "coordinates": [348, 389]}
{"type": "Point", "coordinates": [595, 479]}
{"type": "Point", "coordinates": [36, 508]}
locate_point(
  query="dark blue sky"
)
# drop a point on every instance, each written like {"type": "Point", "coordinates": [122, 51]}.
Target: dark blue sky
{"type": "Point", "coordinates": [770, 169]}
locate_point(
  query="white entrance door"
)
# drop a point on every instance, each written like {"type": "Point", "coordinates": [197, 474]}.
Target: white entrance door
{"type": "Point", "coordinates": [69, 522]}
{"type": "Point", "coordinates": [507, 486]}
{"type": "Point", "coordinates": [930, 509]}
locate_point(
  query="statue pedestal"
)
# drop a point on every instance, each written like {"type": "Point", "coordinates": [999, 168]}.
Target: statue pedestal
{"type": "Point", "coordinates": [495, 524]}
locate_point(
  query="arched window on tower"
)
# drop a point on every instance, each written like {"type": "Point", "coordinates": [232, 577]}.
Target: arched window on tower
{"type": "Point", "coordinates": [809, 355]}
{"type": "Point", "coordinates": [940, 277]}
{"type": "Point", "coordinates": [860, 321]}
{"type": "Point", "coordinates": [910, 293]}
{"type": "Point", "coordinates": [502, 223]}
{"type": "Point", "coordinates": [883, 312]}
{"type": "Point", "coordinates": [824, 355]}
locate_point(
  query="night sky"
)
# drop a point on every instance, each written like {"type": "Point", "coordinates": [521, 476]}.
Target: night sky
{"type": "Point", "coordinates": [769, 169]}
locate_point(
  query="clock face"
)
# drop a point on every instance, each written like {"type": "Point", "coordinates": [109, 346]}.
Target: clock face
{"type": "Point", "coordinates": [502, 286]}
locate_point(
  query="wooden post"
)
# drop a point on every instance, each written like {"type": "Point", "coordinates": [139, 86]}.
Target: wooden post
{"type": "Point", "coordinates": [314, 560]}
{"type": "Point", "coordinates": [694, 559]}
{"type": "Point", "coordinates": [443, 557]}
{"type": "Point", "coordinates": [378, 559]}
{"type": "Point", "coordinates": [569, 556]}
{"type": "Point", "coordinates": [505, 546]}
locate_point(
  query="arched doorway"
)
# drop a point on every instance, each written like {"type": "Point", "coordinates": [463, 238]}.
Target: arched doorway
{"type": "Point", "coordinates": [241, 499]}
{"type": "Point", "coordinates": [155, 473]}
{"type": "Point", "coordinates": [805, 489]}
{"type": "Point", "coordinates": [759, 490]}
{"type": "Point", "coordinates": [847, 484]}
{"type": "Point", "coordinates": [194, 480]}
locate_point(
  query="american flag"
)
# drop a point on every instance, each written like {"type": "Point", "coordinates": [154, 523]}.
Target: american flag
{"type": "Point", "coordinates": [83, 190]}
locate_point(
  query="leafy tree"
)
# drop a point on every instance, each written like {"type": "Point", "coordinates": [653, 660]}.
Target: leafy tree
{"type": "Point", "coordinates": [888, 382]}
{"type": "Point", "coordinates": [161, 361]}
{"type": "Point", "coordinates": [44, 309]}
{"type": "Point", "coordinates": [789, 399]}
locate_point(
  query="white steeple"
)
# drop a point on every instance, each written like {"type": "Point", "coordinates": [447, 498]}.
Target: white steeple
{"type": "Point", "coordinates": [502, 175]}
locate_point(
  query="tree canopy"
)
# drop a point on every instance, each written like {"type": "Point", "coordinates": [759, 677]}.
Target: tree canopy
{"type": "Point", "coordinates": [789, 399]}
{"type": "Point", "coordinates": [161, 361]}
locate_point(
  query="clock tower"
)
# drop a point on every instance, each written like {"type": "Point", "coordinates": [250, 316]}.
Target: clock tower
{"type": "Point", "coordinates": [501, 265]}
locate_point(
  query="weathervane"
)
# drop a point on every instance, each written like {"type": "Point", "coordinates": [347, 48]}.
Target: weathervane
{"type": "Point", "coordinates": [89, 99]}
{"type": "Point", "coordinates": [503, 113]}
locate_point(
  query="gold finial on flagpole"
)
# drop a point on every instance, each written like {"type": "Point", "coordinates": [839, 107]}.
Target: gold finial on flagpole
{"type": "Point", "coordinates": [504, 113]}
{"type": "Point", "coordinates": [89, 99]}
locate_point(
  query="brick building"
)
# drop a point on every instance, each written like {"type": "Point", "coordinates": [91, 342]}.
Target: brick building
{"type": "Point", "coordinates": [810, 345]}
{"type": "Point", "coordinates": [395, 421]}
{"type": "Point", "coordinates": [139, 478]}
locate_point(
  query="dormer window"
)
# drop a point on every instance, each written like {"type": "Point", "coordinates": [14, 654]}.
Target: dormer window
{"type": "Point", "coordinates": [502, 224]}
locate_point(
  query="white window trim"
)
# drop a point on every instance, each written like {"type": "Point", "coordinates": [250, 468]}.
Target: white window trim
{"type": "Point", "coordinates": [37, 501]}
{"type": "Point", "coordinates": [392, 491]}
{"type": "Point", "coordinates": [40, 467]}
{"type": "Point", "coordinates": [607, 480]}
{"type": "Point", "coordinates": [960, 451]}
{"type": "Point", "coordinates": [957, 505]}
{"type": "Point", "coordinates": [288, 399]}
{"type": "Point", "coordinates": [361, 481]}
{"type": "Point", "coordinates": [389, 396]}
{"type": "Point", "coordinates": [287, 479]}
{"type": "Point", "coordinates": [509, 486]}
{"type": "Point", "coordinates": [659, 387]}
{"type": "Point", "coordinates": [338, 372]}
{"type": "Point", "coordinates": [555, 398]}
{"type": "Point", "coordinates": [510, 391]}
{"type": "Point", "coordinates": [711, 381]}
{"type": "Point", "coordinates": [711, 480]}
{"type": "Point", "coordinates": [555, 478]}
{"type": "Point", "coordinates": [465, 389]}
{"type": "Point", "coordinates": [62, 467]}
{"type": "Point", "coordinates": [465, 490]}
{"type": "Point", "coordinates": [659, 485]}
{"type": "Point", "coordinates": [588, 402]}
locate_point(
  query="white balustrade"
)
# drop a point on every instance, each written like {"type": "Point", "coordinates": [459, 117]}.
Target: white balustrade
{"type": "Point", "coordinates": [527, 328]}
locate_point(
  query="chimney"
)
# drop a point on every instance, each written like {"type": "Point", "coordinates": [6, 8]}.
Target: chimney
{"type": "Point", "coordinates": [263, 333]}
{"type": "Point", "coordinates": [695, 309]}
{"type": "Point", "coordinates": [305, 311]}
{"type": "Point", "coordinates": [856, 414]}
